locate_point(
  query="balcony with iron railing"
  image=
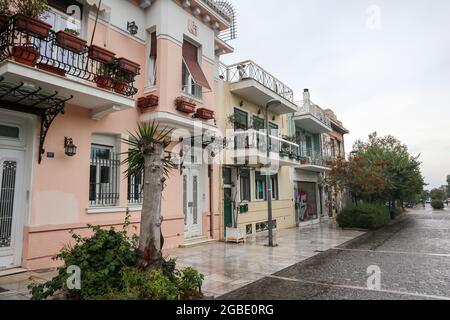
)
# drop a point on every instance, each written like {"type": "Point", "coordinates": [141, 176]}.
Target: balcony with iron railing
{"type": "Point", "coordinates": [250, 81]}
{"type": "Point", "coordinates": [312, 118]}
{"type": "Point", "coordinates": [250, 147]}
{"type": "Point", "coordinates": [313, 160]}
{"type": "Point", "coordinates": [50, 62]}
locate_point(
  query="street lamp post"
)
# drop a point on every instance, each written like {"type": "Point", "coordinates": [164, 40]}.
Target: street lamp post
{"type": "Point", "coordinates": [268, 175]}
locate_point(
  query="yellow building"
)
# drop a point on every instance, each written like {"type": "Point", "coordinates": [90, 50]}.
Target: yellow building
{"type": "Point", "coordinates": [245, 90]}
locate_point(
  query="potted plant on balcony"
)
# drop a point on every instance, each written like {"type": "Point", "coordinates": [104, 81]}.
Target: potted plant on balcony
{"type": "Point", "coordinates": [101, 54]}
{"type": "Point", "coordinates": [120, 83]}
{"type": "Point", "coordinates": [205, 114]}
{"type": "Point", "coordinates": [5, 14]}
{"type": "Point", "coordinates": [128, 66]}
{"type": "Point", "coordinates": [69, 39]}
{"type": "Point", "coordinates": [185, 105]}
{"type": "Point", "coordinates": [285, 150]}
{"type": "Point", "coordinates": [103, 78]}
{"type": "Point", "coordinates": [149, 101]}
{"type": "Point", "coordinates": [27, 20]}
{"type": "Point", "coordinates": [27, 17]}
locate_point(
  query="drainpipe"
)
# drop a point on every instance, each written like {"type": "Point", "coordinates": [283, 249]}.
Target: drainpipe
{"type": "Point", "coordinates": [211, 217]}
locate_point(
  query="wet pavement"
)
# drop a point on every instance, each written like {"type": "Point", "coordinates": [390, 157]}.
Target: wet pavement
{"type": "Point", "coordinates": [227, 267]}
{"type": "Point", "coordinates": [412, 254]}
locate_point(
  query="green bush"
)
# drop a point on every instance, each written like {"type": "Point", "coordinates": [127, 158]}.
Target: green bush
{"type": "Point", "coordinates": [107, 263]}
{"type": "Point", "coordinates": [364, 216]}
{"type": "Point", "coordinates": [399, 211]}
{"type": "Point", "coordinates": [437, 204]}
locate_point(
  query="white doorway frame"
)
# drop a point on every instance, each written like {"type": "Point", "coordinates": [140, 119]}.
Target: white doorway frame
{"type": "Point", "coordinates": [26, 144]}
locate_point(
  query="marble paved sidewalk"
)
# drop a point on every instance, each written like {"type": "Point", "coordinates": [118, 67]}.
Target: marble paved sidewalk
{"type": "Point", "coordinates": [226, 267]}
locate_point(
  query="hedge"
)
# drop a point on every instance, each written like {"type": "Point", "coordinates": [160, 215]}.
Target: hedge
{"type": "Point", "coordinates": [364, 216]}
{"type": "Point", "coordinates": [437, 204]}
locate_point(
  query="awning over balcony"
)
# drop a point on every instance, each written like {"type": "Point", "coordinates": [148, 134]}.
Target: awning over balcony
{"type": "Point", "coordinates": [22, 97]}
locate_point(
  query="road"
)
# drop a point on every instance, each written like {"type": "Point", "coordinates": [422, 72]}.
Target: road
{"type": "Point", "coordinates": [412, 255]}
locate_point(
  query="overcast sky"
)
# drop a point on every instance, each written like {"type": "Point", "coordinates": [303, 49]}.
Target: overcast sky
{"type": "Point", "coordinates": [380, 65]}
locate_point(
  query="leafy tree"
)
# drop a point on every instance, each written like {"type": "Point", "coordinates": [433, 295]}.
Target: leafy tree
{"type": "Point", "coordinates": [438, 194]}
{"type": "Point", "coordinates": [380, 170]}
{"type": "Point", "coordinates": [146, 154]}
{"type": "Point", "coordinates": [448, 186]}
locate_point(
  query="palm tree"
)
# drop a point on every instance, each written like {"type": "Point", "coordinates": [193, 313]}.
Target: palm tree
{"type": "Point", "coordinates": [146, 155]}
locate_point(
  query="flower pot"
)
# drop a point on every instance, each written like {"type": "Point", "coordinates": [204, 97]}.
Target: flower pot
{"type": "Point", "coordinates": [303, 161]}
{"type": "Point", "coordinates": [148, 102]}
{"type": "Point", "coordinates": [32, 26]}
{"type": "Point", "coordinates": [329, 163]}
{"type": "Point", "coordinates": [284, 154]}
{"type": "Point", "coordinates": [128, 66]}
{"type": "Point", "coordinates": [52, 69]}
{"type": "Point", "coordinates": [235, 235]}
{"type": "Point", "coordinates": [104, 82]}
{"type": "Point", "coordinates": [185, 106]}
{"type": "Point", "coordinates": [70, 42]}
{"type": "Point", "coordinates": [100, 54]}
{"type": "Point", "coordinates": [205, 114]}
{"type": "Point", "coordinates": [3, 23]}
{"type": "Point", "coordinates": [26, 55]}
{"type": "Point", "coordinates": [120, 87]}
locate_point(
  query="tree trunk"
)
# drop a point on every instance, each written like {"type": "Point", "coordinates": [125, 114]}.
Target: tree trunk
{"type": "Point", "coordinates": [150, 255]}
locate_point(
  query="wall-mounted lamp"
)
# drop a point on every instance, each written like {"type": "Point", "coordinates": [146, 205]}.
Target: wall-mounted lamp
{"type": "Point", "coordinates": [132, 28]}
{"type": "Point", "coordinates": [241, 104]}
{"type": "Point", "coordinates": [69, 148]}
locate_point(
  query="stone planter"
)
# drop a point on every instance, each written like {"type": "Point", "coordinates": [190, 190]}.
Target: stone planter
{"type": "Point", "coordinates": [104, 82]}
{"type": "Point", "coordinates": [32, 26]}
{"type": "Point", "coordinates": [26, 55]}
{"type": "Point", "coordinates": [128, 66]}
{"type": "Point", "coordinates": [185, 106]}
{"type": "Point", "coordinates": [205, 114]}
{"type": "Point", "coordinates": [120, 87]}
{"type": "Point", "coordinates": [52, 69]}
{"type": "Point", "coordinates": [70, 42]}
{"type": "Point", "coordinates": [150, 101]}
{"type": "Point", "coordinates": [235, 235]}
{"type": "Point", "coordinates": [100, 54]}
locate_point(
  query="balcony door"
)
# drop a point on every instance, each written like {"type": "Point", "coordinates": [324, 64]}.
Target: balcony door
{"type": "Point", "coordinates": [192, 202]}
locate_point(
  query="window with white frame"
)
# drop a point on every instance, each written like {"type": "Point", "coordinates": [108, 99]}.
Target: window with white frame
{"type": "Point", "coordinates": [104, 172]}
{"type": "Point", "coordinates": [260, 186]}
{"type": "Point", "coordinates": [152, 59]}
{"type": "Point", "coordinates": [245, 187]}
{"type": "Point", "coordinates": [193, 78]}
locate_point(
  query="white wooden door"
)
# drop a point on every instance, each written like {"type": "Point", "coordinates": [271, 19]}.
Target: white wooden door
{"type": "Point", "coordinates": [192, 203]}
{"type": "Point", "coordinates": [11, 212]}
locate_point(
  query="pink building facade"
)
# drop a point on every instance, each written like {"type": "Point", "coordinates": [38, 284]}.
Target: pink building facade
{"type": "Point", "coordinates": [46, 190]}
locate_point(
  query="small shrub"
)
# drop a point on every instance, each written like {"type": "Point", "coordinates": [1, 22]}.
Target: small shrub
{"type": "Point", "coordinates": [399, 211]}
{"type": "Point", "coordinates": [190, 284]}
{"type": "Point", "coordinates": [107, 263]}
{"type": "Point", "coordinates": [365, 216]}
{"type": "Point", "coordinates": [437, 204]}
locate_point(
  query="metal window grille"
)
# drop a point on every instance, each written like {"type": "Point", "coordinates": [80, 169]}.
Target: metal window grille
{"type": "Point", "coordinates": [104, 177]}
{"type": "Point", "coordinates": [7, 189]}
{"type": "Point", "coordinates": [135, 187]}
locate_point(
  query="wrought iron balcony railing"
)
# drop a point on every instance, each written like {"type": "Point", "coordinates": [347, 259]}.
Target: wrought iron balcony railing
{"type": "Point", "coordinates": [218, 7]}
{"type": "Point", "coordinates": [18, 44]}
{"type": "Point", "coordinates": [307, 107]}
{"type": "Point", "coordinates": [250, 70]}
{"type": "Point", "coordinates": [315, 158]}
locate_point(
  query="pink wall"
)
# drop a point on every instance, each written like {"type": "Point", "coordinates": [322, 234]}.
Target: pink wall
{"type": "Point", "coordinates": [60, 185]}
